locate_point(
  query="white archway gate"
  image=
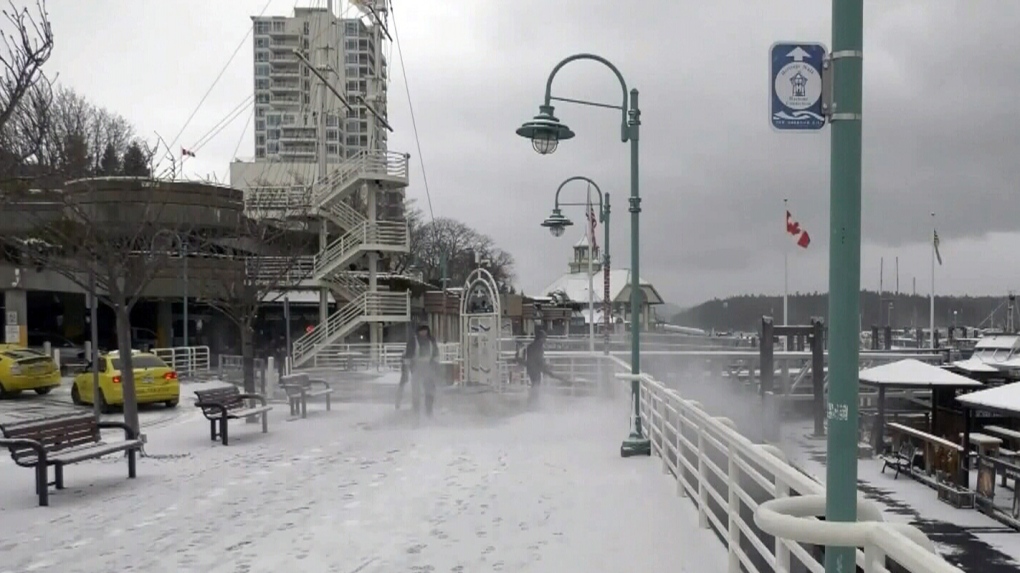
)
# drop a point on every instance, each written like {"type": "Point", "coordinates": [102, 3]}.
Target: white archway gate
{"type": "Point", "coordinates": [480, 316]}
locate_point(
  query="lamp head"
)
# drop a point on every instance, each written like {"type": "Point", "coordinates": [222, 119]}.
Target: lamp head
{"type": "Point", "coordinates": [545, 131]}
{"type": "Point", "coordinates": [557, 223]}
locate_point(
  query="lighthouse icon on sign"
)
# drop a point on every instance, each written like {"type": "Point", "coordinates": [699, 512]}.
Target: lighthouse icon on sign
{"type": "Point", "coordinates": [799, 84]}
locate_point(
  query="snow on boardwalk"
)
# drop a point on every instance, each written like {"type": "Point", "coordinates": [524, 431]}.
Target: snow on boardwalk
{"type": "Point", "coordinates": [359, 489]}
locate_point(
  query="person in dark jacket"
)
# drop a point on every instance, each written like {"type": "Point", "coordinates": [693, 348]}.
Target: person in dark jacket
{"type": "Point", "coordinates": [536, 366]}
{"type": "Point", "coordinates": [421, 366]}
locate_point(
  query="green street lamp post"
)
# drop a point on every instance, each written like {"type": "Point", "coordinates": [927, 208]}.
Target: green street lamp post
{"type": "Point", "coordinates": [545, 132]}
{"type": "Point", "coordinates": [557, 223]}
{"type": "Point", "coordinates": [844, 272]}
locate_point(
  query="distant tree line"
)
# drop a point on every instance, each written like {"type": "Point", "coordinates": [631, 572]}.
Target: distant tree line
{"type": "Point", "coordinates": [744, 312]}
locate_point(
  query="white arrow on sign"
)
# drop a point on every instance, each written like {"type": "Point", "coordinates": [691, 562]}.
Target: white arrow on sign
{"type": "Point", "coordinates": [798, 54]}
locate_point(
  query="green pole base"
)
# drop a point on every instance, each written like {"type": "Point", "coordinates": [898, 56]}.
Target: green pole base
{"type": "Point", "coordinates": [635, 445]}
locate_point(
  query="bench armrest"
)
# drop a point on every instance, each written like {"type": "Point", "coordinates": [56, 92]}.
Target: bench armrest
{"type": "Point", "coordinates": [129, 432]}
{"type": "Point", "coordinates": [40, 450]}
{"type": "Point", "coordinates": [215, 405]}
{"type": "Point", "coordinates": [261, 399]}
{"type": "Point", "coordinates": [322, 382]}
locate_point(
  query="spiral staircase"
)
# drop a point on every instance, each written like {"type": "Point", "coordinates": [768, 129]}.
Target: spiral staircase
{"type": "Point", "coordinates": [356, 237]}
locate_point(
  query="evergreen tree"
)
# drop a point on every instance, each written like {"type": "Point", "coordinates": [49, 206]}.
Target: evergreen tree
{"type": "Point", "coordinates": [110, 163]}
{"type": "Point", "coordinates": [135, 163]}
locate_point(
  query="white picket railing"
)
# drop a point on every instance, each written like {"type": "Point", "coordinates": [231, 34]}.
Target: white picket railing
{"type": "Point", "coordinates": [381, 235]}
{"type": "Point", "coordinates": [377, 165]}
{"type": "Point", "coordinates": [728, 478]}
{"type": "Point", "coordinates": [188, 361]}
{"type": "Point", "coordinates": [381, 306]}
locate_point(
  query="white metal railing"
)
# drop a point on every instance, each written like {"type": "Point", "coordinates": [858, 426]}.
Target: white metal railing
{"type": "Point", "coordinates": [386, 165]}
{"type": "Point", "coordinates": [722, 472]}
{"type": "Point", "coordinates": [343, 214]}
{"type": "Point", "coordinates": [188, 361]}
{"type": "Point", "coordinates": [374, 306]}
{"type": "Point", "coordinates": [277, 198]}
{"type": "Point", "coordinates": [280, 271]}
{"type": "Point", "coordinates": [346, 285]}
{"type": "Point", "coordinates": [381, 235]}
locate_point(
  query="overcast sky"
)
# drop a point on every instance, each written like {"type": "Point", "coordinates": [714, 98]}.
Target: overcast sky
{"type": "Point", "coordinates": [941, 125]}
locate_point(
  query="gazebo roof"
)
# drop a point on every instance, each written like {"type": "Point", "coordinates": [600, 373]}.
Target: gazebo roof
{"type": "Point", "coordinates": [1005, 398]}
{"type": "Point", "coordinates": [912, 373]}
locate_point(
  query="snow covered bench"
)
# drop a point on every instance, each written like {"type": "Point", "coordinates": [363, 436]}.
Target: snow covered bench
{"type": "Point", "coordinates": [63, 440]}
{"type": "Point", "coordinates": [227, 403]}
{"type": "Point", "coordinates": [299, 389]}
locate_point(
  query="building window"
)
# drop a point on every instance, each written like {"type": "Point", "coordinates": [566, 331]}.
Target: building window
{"type": "Point", "coordinates": [260, 152]}
{"type": "Point", "coordinates": [288, 119]}
{"type": "Point", "coordinates": [353, 126]}
{"type": "Point", "coordinates": [307, 99]}
{"type": "Point", "coordinates": [261, 56]}
{"type": "Point", "coordinates": [273, 119]}
{"type": "Point", "coordinates": [305, 71]}
{"type": "Point", "coordinates": [279, 26]}
{"type": "Point", "coordinates": [262, 98]}
{"type": "Point", "coordinates": [305, 43]}
{"type": "Point", "coordinates": [262, 83]}
{"type": "Point", "coordinates": [261, 42]}
{"type": "Point", "coordinates": [332, 120]}
{"type": "Point", "coordinates": [260, 112]}
{"type": "Point", "coordinates": [308, 30]}
{"type": "Point", "coordinates": [352, 141]}
{"type": "Point", "coordinates": [273, 148]}
{"type": "Point", "coordinates": [262, 70]}
{"type": "Point", "coordinates": [364, 141]}
{"type": "Point", "coordinates": [274, 134]}
{"type": "Point", "coordinates": [332, 149]}
{"type": "Point", "coordinates": [260, 140]}
{"type": "Point", "coordinates": [332, 135]}
{"type": "Point", "coordinates": [261, 27]}
{"type": "Point", "coordinates": [351, 28]}
{"type": "Point", "coordinates": [260, 125]}
{"type": "Point", "coordinates": [351, 45]}
{"type": "Point", "coordinates": [350, 58]}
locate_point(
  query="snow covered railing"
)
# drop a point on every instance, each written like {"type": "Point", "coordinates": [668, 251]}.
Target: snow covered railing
{"type": "Point", "coordinates": [747, 493]}
{"type": "Point", "coordinates": [188, 361]}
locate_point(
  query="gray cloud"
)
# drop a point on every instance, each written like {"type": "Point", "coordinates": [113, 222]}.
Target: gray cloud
{"type": "Point", "coordinates": [939, 128]}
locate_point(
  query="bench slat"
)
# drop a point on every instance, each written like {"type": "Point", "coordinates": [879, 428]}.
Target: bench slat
{"type": "Point", "coordinates": [56, 434]}
{"type": "Point", "coordinates": [248, 412]}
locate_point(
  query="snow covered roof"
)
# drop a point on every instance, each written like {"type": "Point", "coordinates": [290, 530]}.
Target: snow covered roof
{"type": "Point", "coordinates": [998, 341]}
{"type": "Point", "coordinates": [575, 286]}
{"type": "Point", "coordinates": [1004, 398]}
{"type": "Point", "coordinates": [911, 372]}
{"type": "Point", "coordinates": [974, 365]}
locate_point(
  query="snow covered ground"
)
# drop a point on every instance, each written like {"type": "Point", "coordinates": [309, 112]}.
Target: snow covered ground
{"type": "Point", "coordinates": [483, 487]}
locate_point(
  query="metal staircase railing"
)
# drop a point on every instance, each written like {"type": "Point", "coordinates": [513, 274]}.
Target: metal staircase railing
{"type": "Point", "coordinates": [280, 271]}
{"type": "Point", "coordinates": [343, 214]}
{"type": "Point", "coordinates": [382, 166]}
{"type": "Point", "coordinates": [277, 199]}
{"type": "Point", "coordinates": [367, 307]}
{"type": "Point", "coordinates": [379, 236]}
{"type": "Point", "coordinates": [345, 285]}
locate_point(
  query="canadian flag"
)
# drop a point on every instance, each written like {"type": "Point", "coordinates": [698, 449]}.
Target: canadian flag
{"type": "Point", "coordinates": [793, 228]}
{"type": "Point", "coordinates": [187, 153]}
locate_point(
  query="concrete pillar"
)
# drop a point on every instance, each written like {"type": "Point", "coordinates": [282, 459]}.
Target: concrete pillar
{"type": "Point", "coordinates": [16, 316]}
{"type": "Point", "coordinates": [75, 311]}
{"type": "Point", "coordinates": [164, 324]}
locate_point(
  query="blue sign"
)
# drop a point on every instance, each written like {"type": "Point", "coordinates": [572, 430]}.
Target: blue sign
{"type": "Point", "coordinates": [795, 86]}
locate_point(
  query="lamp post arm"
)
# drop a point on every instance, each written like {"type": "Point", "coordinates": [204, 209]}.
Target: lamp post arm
{"type": "Point", "coordinates": [556, 203]}
{"type": "Point", "coordinates": [548, 85]}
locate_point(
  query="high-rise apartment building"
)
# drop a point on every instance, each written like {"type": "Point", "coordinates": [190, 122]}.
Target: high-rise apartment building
{"type": "Point", "coordinates": [288, 95]}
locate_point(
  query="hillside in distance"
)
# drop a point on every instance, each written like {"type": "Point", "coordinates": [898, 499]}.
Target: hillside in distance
{"type": "Point", "coordinates": [743, 313]}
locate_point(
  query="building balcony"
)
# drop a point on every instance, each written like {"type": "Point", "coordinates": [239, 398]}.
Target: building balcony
{"type": "Point", "coordinates": [282, 100]}
{"type": "Point", "coordinates": [285, 87]}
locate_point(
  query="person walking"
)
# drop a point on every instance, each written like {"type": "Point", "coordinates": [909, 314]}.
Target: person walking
{"type": "Point", "coordinates": [536, 366]}
{"type": "Point", "coordinates": [420, 365]}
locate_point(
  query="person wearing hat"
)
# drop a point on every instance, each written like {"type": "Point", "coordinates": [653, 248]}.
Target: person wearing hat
{"type": "Point", "coordinates": [420, 365]}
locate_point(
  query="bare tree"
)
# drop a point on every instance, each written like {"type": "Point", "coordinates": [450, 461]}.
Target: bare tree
{"type": "Point", "coordinates": [276, 255]}
{"type": "Point", "coordinates": [455, 244]}
{"type": "Point", "coordinates": [109, 230]}
{"type": "Point", "coordinates": [27, 42]}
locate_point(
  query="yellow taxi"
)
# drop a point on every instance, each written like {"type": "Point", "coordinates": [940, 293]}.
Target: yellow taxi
{"type": "Point", "coordinates": [155, 382]}
{"type": "Point", "coordinates": [23, 369]}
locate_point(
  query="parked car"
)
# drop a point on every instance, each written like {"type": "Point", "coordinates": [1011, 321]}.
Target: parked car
{"type": "Point", "coordinates": [70, 353]}
{"type": "Point", "coordinates": [24, 369]}
{"type": "Point", "coordinates": [155, 382]}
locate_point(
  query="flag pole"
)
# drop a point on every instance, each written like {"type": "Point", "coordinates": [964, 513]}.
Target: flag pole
{"type": "Point", "coordinates": [931, 309]}
{"type": "Point", "coordinates": [786, 265]}
{"type": "Point", "coordinates": [591, 274]}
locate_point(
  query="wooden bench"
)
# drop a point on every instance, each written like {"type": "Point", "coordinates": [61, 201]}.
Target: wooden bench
{"type": "Point", "coordinates": [300, 388]}
{"type": "Point", "coordinates": [934, 450]}
{"type": "Point", "coordinates": [63, 440]}
{"type": "Point", "coordinates": [228, 403]}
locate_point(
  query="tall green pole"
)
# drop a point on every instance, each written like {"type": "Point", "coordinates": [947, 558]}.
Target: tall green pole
{"type": "Point", "coordinates": [607, 303]}
{"type": "Point", "coordinates": [636, 443]}
{"type": "Point", "coordinates": [844, 273]}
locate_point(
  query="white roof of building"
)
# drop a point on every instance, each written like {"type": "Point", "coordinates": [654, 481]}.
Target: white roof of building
{"type": "Point", "coordinates": [974, 365]}
{"type": "Point", "coordinates": [1000, 341]}
{"type": "Point", "coordinates": [1003, 398]}
{"type": "Point", "coordinates": [575, 286]}
{"type": "Point", "coordinates": [911, 372]}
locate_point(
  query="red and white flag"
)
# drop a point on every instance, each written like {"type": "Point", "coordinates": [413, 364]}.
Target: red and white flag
{"type": "Point", "coordinates": [593, 222]}
{"type": "Point", "coordinates": [793, 228]}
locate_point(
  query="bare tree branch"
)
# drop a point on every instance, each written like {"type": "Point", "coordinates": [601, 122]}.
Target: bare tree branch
{"type": "Point", "coordinates": [27, 43]}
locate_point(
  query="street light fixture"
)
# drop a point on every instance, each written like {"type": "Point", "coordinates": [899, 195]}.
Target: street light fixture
{"type": "Point", "coordinates": [557, 223]}
{"type": "Point", "coordinates": [545, 132]}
